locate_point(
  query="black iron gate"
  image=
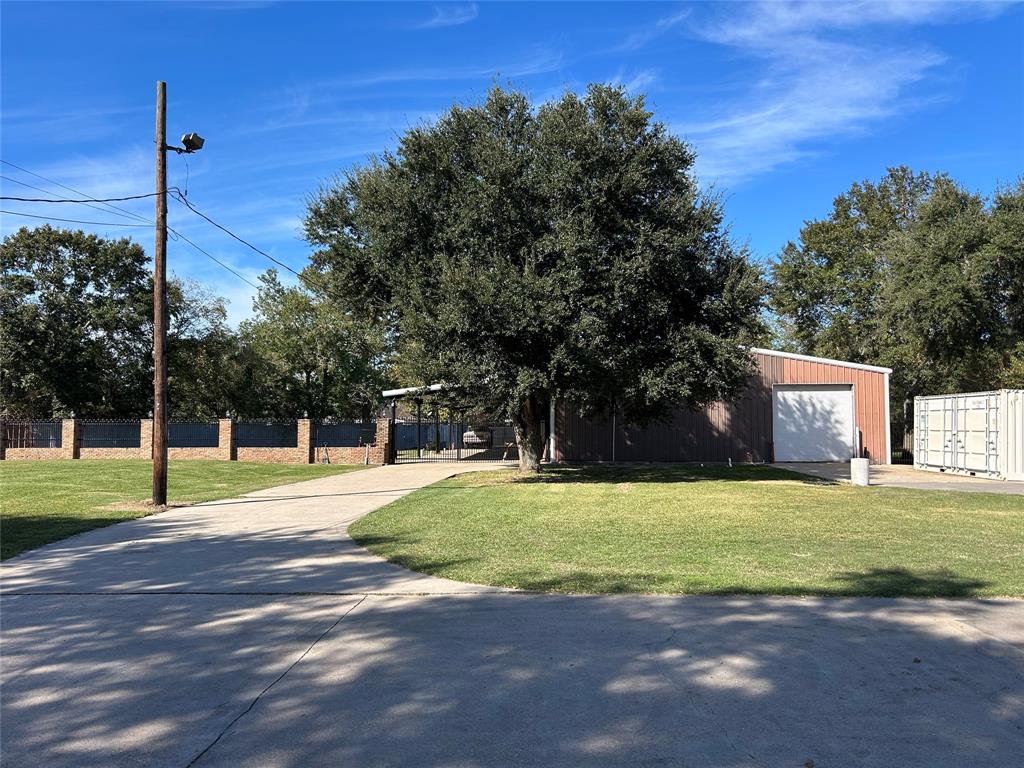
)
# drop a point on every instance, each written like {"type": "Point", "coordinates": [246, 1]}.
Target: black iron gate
{"type": "Point", "coordinates": [432, 433]}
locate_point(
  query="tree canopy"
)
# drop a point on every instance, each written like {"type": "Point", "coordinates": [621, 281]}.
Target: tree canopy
{"type": "Point", "coordinates": [524, 253]}
{"type": "Point", "coordinates": [915, 273]}
{"type": "Point", "coordinates": [76, 336]}
{"type": "Point", "coordinates": [75, 322]}
{"type": "Point", "coordinates": [314, 358]}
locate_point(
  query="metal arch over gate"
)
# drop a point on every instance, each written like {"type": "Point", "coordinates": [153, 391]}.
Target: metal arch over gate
{"type": "Point", "coordinates": [428, 426]}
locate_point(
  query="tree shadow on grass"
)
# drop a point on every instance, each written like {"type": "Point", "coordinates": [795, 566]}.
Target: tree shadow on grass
{"type": "Point", "coordinates": [875, 582]}
{"type": "Point", "coordinates": [20, 533]}
{"type": "Point", "coordinates": [665, 473]}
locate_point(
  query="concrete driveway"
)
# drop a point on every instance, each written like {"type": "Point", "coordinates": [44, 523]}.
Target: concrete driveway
{"type": "Point", "coordinates": [253, 632]}
{"type": "Point", "coordinates": [902, 476]}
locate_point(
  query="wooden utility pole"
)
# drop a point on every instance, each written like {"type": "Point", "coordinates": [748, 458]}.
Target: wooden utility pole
{"type": "Point", "coordinates": [160, 305]}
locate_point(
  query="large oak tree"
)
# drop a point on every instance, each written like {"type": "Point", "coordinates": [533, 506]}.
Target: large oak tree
{"type": "Point", "coordinates": [522, 254]}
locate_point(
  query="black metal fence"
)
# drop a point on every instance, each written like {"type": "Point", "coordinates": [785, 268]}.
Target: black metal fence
{"type": "Point", "coordinates": [193, 434]}
{"type": "Point", "coordinates": [111, 434]}
{"type": "Point", "coordinates": [455, 440]}
{"type": "Point", "coordinates": [344, 434]}
{"type": "Point", "coordinates": [902, 446]}
{"type": "Point", "coordinates": [33, 434]}
{"type": "Point", "coordinates": [252, 434]}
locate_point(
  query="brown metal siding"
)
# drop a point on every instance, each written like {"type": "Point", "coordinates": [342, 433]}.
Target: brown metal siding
{"type": "Point", "coordinates": [741, 430]}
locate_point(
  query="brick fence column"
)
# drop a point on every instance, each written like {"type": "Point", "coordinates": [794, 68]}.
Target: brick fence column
{"type": "Point", "coordinates": [384, 436]}
{"type": "Point", "coordinates": [305, 441]}
{"type": "Point", "coordinates": [69, 439]}
{"type": "Point", "coordinates": [146, 438]}
{"type": "Point", "coordinates": [226, 440]}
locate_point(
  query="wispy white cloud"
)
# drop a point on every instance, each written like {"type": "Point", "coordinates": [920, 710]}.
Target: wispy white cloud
{"type": "Point", "coordinates": [539, 60]}
{"type": "Point", "coordinates": [65, 126]}
{"type": "Point", "coordinates": [449, 15]}
{"type": "Point", "coordinates": [638, 81]}
{"type": "Point", "coordinates": [646, 34]}
{"type": "Point", "coordinates": [819, 77]}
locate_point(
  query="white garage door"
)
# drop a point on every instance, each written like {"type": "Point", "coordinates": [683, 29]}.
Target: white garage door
{"type": "Point", "coordinates": [813, 422]}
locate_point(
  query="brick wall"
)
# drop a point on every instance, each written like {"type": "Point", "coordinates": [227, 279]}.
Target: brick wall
{"type": "Point", "coordinates": [213, 454]}
{"type": "Point", "coordinates": [29, 454]}
{"type": "Point", "coordinates": [304, 453]}
{"type": "Point", "coordinates": [273, 455]}
{"type": "Point", "coordinates": [144, 451]}
{"type": "Point", "coordinates": [345, 454]}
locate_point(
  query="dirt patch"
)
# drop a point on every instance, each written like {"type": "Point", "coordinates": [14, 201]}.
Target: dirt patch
{"type": "Point", "coordinates": [137, 506]}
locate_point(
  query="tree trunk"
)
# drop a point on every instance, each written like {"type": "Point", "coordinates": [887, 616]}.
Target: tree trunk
{"type": "Point", "coordinates": [529, 428]}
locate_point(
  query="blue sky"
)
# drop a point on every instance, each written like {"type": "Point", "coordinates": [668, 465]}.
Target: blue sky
{"type": "Point", "coordinates": [786, 104]}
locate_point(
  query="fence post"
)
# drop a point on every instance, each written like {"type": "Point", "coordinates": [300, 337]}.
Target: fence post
{"type": "Point", "coordinates": [384, 437]}
{"type": "Point", "coordinates": [146, 438]}
{"type": "Point", "coordinates": [304, 434]}
{"type": "Point", "coordinates": [69, 439]}
{"type": "Point", "coordinates": [226, 440]}
{"type": "Point", "coordinates": [3, 439]}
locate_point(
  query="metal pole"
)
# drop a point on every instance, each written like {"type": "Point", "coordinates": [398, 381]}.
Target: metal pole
{"type": "Point", "coordinates": [419, 429]}
{"type": "Point", "coordinates": [160, 305]}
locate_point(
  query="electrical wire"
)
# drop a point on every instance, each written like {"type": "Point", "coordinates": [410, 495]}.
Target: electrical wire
{"type": "Point", "coordinates": [74, 221]}
{"type": "Point", "coordinates": [302, 278]}
{"type": "Point", "coordinates": [175, 193]}
{"type": "Point", "coordinates": [48, 192]}
{"type": "Point", "coordinates": [88, 200]}
{"type": "Point", "coordinates": [184, 201]}
{"type": "Point", "coordinates": [123, 211]}
{"type": "Point", "coordinates": [114, 209]}
{"type": "Point", "coordinates": [215, 259]}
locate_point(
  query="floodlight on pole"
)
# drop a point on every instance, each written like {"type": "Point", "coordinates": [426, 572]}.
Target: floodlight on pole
{"type": "Point", "coordinates": [191, 142]}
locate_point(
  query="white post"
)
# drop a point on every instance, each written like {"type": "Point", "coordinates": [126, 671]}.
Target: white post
{"type": "Point", "coordinates": [860, 471]}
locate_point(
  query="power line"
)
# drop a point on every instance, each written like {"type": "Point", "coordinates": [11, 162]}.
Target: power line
{"type": "Point", "coordinates": [175, 192]}
{"type": "Point", "coordinates": [73, 221]}
{"type": "Point", "coordinates": [184, 201]}
{"type": "Point", "coordinates": [215, 259]}
{"type": "Point", "coordinates": [114, 209]}
{"type": "Point", "coordinates": [88, 200]}
{"type": "Point", "coordinates": [302, 278]}
{"type": "Point", "coordinates": [208, 255]}
{"type": "Point", "coordinates": [47, 191]}
{"type": "Point", "coordinates": [123, 211]}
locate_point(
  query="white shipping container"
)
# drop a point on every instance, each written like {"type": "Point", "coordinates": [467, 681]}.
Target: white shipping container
{"type": "Point", "coordinates": [975, 433]}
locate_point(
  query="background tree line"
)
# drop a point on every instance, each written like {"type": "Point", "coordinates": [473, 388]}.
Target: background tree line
{"type": "Point", "coordinates": [76, 337]}
{"type": "Point", "coordinates": [915, 273]}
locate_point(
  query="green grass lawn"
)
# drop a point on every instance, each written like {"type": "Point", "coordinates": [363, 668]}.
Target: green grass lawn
{"type": "Point", "coordinates": [42, 501]}
{"type": "Point", "coordinates": [714, 530]}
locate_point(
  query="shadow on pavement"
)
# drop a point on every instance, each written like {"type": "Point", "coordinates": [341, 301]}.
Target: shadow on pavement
{"type": "Point", "coordinates": [510, 680]}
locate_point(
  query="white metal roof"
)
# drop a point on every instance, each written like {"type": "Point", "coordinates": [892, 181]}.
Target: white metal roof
{"type": "Point", "coordinates": [412, 390]}
{"type": "Point", "coordinates": [828, 360]}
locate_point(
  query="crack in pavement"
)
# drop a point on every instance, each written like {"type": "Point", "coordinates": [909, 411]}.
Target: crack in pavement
{"type": "Point", "coordinates": [278, 679]}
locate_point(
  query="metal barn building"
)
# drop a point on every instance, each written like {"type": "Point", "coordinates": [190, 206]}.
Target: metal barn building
{"type": "Point", "coordinates": [795, 408]}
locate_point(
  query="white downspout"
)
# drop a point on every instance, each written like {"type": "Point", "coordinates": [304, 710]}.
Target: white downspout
{"type": "Point", "coordinates": [551, 430]}
{"type": "Point", "coordinates": [888, 424]}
